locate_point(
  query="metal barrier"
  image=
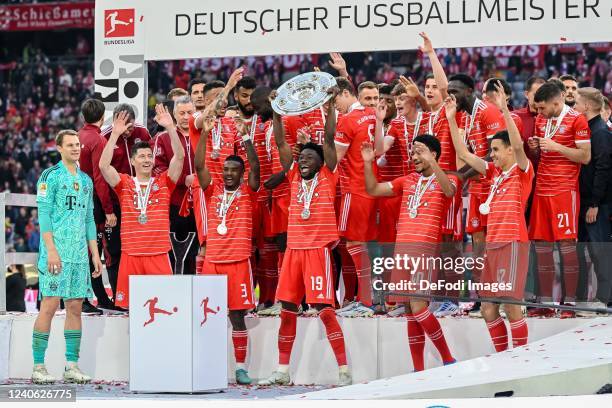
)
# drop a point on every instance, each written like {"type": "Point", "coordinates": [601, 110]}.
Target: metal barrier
{"type": "Point", "coordinates": [10, 258]}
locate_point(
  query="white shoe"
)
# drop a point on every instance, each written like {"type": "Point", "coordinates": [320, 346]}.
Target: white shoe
{"type": "Point", "coordinates": [277, 378]}
{"type": "Point", "coordinates": [41, 376]}
{"type": "Point", "coordinates": [345, 377]}
{"type": "Point", "coordinates": [311, 312]}
{"type": "Point", "coordinates": [273, 310]}
{"type": "Point", "coordinates": [446, 309]}
{"type": "Point", "coordinates": [73, 374]}
{"type": "Point", "coordinates": [591, 305]}
{"type": "Point", "coordinates": [347, 307]}
{"type": "Point", "coordinates": [359, 311]}
{"type": "Point", "coordinates": [397, 311]}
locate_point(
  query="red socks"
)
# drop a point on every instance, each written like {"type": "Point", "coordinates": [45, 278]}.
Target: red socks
{"type": "Point", "coordinates": [519, 332]}
{"type": "Point", "coordinates": [334, 334]}
{"type": "Point", "coordinates": [267, 271]}
{"type": "Point", "coordinates": [569, 263]}
{"type": "Point", "coordinates": [499, 334]}
{"type": "Point", "coordinates": [546, 268]}
{"type": "Point", "coordinates": [286, 335]}
{"type": "Point", "coordinates": [432, 327]}
{"type": "Point", "coordinates": [349, 276]}
{"type": "Point", "coordinates": [416, 342]}
{"type": "Point", "coordinates": [361, 260]}
{"type": "Point", "coordinates": [240, 340]}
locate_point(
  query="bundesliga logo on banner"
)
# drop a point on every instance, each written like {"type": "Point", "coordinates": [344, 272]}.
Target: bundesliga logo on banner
{"type": "Point", "coordinates": [119, 23]}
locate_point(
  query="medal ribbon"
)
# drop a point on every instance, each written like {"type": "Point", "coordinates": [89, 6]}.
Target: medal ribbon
{"type": "Point", "coordinates": [308, 191]}
{"type": "Point", "coordinates": [550, 131]}
{"type": "Point", "coordinates": [143, 199]}
{"type": "Point", "coordinates": [497, 183]}
{"type": "Point", "coordinates": [418, 195]}
{"type": "Point", "coordinates": [226, 203]}
{"type": "Point", "coordinates": [467, 130]}
{"type": "Point", "coordinates": [417, 125]}
{"type": "Point", "coordinates": [216, 136]}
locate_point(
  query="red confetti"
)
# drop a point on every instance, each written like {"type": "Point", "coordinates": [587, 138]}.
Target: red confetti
{"type": "Point", "coordinates": [563, 39]}
{"type": "Point", "coordinates": [141, 17]}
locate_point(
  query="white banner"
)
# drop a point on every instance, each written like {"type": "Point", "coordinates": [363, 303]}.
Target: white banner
{"type": "Point", "coordinates": [195, 28]}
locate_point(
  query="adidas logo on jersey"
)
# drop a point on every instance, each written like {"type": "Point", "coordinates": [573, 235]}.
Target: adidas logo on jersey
{"type": "Point", "coordinates": [568, 231]}
{"type": "Point", "coordinates": [320, 296]}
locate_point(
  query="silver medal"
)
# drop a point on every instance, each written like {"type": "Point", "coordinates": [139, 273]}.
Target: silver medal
{"type": "Point", "coordinates": [484, 208]}
{"type": "Point", "coordinates": [413, 213]}
{"type": "Point", "coordinates": [305, 214]}
{"type": "Point", "coordinates": [222, 229]}
{"type": "Point", "coordinates": [142, 219]}
{"type": "Point", "coordinates": [215, 153]}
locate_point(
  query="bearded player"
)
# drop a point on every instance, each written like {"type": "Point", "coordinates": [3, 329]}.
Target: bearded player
{"type": "Point", "coordinates": [307, 265]}
{"type": "Point", "coordinates": [65, 203]}
{"type": "Point", "coordinates": [145, 203]}
{"type": "Point", "coordinates": [230, 202]}
{"type": "Point", "coordinates": [507, 251]}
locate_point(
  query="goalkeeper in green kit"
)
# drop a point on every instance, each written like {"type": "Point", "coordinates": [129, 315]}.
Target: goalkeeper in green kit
{"type": "Point", "coordinates": [68, 232]}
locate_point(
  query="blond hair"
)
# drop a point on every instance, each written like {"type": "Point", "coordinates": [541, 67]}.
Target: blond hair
{"type": "Point", "coordinates": [593, 96]}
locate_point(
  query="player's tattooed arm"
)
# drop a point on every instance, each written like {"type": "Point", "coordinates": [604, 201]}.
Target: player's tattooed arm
{"type": "Point", "coordinates": [329, 141]}
{"type": "Point", "coordinates": [373, 187]}
{"type": "Point", "coordinates": [200, 153]}
{"type": "Point", "coordinates": [439, 74]}
{"type": "Point", "coordinates": [220, 101]}
{"type": "Point", "coordinates": [254, 173]}
{"type": "Point", "coordinates": [164, 119]}
{"type": "Point", "coordinates": [463, 153]}
{"type": "Point", "coordinates": [109, 173]}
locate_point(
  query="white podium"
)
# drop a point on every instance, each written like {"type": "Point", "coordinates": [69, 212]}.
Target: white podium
{"type": "Point", "coordinates": [178, 333]}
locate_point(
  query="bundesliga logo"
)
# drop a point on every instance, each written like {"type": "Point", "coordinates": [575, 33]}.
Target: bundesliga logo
{"type": "Point", "coordinates": [119, 23]}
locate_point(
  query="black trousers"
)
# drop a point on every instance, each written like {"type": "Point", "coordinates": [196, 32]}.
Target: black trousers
{"type": "Point", "coordinates": [110, 239]}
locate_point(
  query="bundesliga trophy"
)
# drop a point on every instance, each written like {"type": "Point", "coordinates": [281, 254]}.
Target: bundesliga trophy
{"type": "Point", "coordinates": [303, 93]}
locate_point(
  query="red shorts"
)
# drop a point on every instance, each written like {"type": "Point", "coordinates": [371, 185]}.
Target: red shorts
{"type": "Point", "coordinates": [262, 221]}
{"type": "Point", "coordinates": [199, 212]}
{"type": "Point", "coordinates": [357, 218]}
{"type": "Point", "coordinates": [554, 218]}
{"type": "Point", "coordinates": [388, 215]}
{"type": "Point", "coordinates": [475, 222]}
{"type": "Point", "coordinates": [453, 221]}
{"type": "Point", "coordinates": [426, 270]}
{"type": "Point", "coordinates": [306, 271]}
{"type": "Point", "coordinates": [138, 265]}
{"type": "Point", "coordinates": [506, 264]}
{"type": "Point", "coordinates": [240, 294]}
{"type": "Point", "coordinates": [280, 214]}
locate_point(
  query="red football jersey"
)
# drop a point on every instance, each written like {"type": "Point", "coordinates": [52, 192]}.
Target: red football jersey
{"type": "Point", "coordinates": [403, 133]}
{"type": "Point", "coordinates": [263, 141]}
{"type": "Point", "coordinates": [320, 229]}
{"type": "Point", "coordinates": [428, 223]}
{"type": "Point", "coordinates": [437, 125]}
{"type": "Point", "coordinates": [153, 237]}
{"type": "Point", "coordinates": [506, 219]}
{"type": "Point", "coordinates": [352, 131]}
{"type": "Point", "coordinates": [557, 173]}
{"type": "Point", "coordinates": [236, 244]}
{"type": "Point", "coordinates": [226, 127]}
{"type": "Point", "coordinates": [315, 121]}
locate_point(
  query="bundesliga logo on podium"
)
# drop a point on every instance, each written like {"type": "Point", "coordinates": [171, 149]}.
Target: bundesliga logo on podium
{"type": "Point", "coordinates": [119, 23]}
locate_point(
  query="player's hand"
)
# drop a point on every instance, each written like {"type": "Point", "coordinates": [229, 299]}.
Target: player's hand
{"type": "Point", "coordinates": [427, 46]}
{"type": "Point", "coordinates": [337, 62]}
{"type": "Point", "coordinates": [189, 179]}
{"type": "Point", "coordinates": [423, 152]}
{"type": "Point", "coordinates": [591, 215]}
{"type": "Point", "coordinates": [411, 88]}
{"type": "Point", "coordinates": [97, 264]}
{"type": "Point", "coordinates": [548, 145]}
{"type": "Point", "coordinates": [316, 69]}
{"type": "Point", "coordinates": [163, 117]}
{"type": "Point", "coordinates": [208, 125]}
{"type": "Point", "coordinates": [533, 143]}
{"type": "Point", "coordinates": [450, 105]}
{"type": "Point", "coordinates": [121, 123]}
{"type": "Point", "coordinates": [111, 220]}
{"type": "Point", "coordinates": [273, 95]}
{"type": "Point", "coordinates": [235, 77]}
{"type": "Point", "coordinates": [367, 152]}
{"type": "Point", "coordinates": [381, 110]}
{"type": "Point", "coordinates": [303, 135]}
{"type": "Point", "coordinates": [243, 126]}
{"type": "Point", "coordinates": [54, 263]}
{"type": "Point", "coordinates": [334, 91]}
{"type": "Point", "coordinates": [499, 98]}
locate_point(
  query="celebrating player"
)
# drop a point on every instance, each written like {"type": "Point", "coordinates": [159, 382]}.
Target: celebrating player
{"type": "Point", "coordinates": [145, 203]}
{"type": "Point", "coordinates": [230, 202]}
{"type": "Point", "coordinates": [312, 231]}
{"type": "Point", "coordinates": [563, 138]}
{"type": "Point", "coordinates": [426, 194]}
{"type": "Point", "coordinates": [507, 251]}
{"type": "Point", "coordinates": [67, 226]}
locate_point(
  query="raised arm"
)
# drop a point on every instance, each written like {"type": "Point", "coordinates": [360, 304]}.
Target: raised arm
{"type": "Point", "coordinates": [379, 134]}
{"type": "Point", "coordinates": [373, 187]}
{"type": "Point", "coordinates": [516, 141]}
{"type": "Point", "coordinates": [163, 118]}
{"type": "Point", "coordinates": [254, 173]}
{"type": "Point", "coordinates": [438, 72]}
{"type": "Point", "coordinates": [460, 148]}
{"type": "Point", "coordinates": [109, 173]}
{"type": "Point", "coordinates": [215, 107]}
{"type": "Point", "coordinates": [338, 63]}
{"type": "Point", "coordinates": [200, 153]}
{"type": "Point", "coordinates": [329, 143]}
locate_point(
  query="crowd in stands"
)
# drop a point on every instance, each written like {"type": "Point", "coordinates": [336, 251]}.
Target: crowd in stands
{"type": "Point", "coordinates": [41, 94]}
